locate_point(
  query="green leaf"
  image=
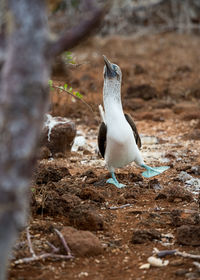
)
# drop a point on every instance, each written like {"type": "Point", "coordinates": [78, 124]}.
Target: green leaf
{"type": "Point", "coordinates": [69, 57]}
{"type": "Point", "coordinates": [50, 82]}
{"type": "Point", "coordinates": [65, 86]}
{"type": "Point", "coordinates": [78, 94]}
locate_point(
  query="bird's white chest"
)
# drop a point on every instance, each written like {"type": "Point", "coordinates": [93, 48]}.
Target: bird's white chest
{"type": "Point", "coordinates": [120, 144]}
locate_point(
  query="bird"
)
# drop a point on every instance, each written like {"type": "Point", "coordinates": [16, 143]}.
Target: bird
{"type": "Point", "coordinates": [119, 142]}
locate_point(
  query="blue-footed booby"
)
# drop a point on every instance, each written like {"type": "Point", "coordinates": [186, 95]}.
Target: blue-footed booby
{"type": "Point", "coordinates": [118, 138]}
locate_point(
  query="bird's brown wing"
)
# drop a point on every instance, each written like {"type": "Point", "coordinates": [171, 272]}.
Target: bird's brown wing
{"type": "Point", "coordinates": [102, 138]}
{"type": "Point", "coordinates": [134, 128]}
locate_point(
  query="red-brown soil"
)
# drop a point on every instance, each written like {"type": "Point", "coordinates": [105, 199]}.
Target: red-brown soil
{"type": "Point", "coordinates": [161, 90]}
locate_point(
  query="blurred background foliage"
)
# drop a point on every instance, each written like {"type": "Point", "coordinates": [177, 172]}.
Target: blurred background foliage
{"type": "Point", "coordinates": [135, 17]}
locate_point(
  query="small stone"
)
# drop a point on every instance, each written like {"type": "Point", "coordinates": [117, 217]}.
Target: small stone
{"type": "Point", "coordinates": [157, 262]}
{"type": "Point", "coordinates": [177, 200]}
{"type": "Point", "coordinates": [176, 262]}
{"type": "Point", "coordinates": [145, 266]}
{"type": "Point", "coordinates": [86, 219]}
{"type": "Point", "coordinates": [142, 236]}
{"type": "Point", "coordinates": [192, 275]}
{"type": "Point", "coordinates": [181, 272]}
{"type": "Point", "coordinates": [83, 274]}
{"type": "Point", "coordinates": [188, 235]}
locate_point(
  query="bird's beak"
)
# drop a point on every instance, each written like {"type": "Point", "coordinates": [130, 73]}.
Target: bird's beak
{"type": "Point", "coordinates": [108, 65]}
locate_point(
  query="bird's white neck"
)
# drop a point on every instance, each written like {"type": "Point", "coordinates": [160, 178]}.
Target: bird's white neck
{"type": "Point", "coordinates": [112, 99]}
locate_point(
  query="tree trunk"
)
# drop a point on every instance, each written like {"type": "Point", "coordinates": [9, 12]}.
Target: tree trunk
{"type": "Point", "coordinates": [23, 101]}
{"type": "Point", "coordinates": [24, 74]}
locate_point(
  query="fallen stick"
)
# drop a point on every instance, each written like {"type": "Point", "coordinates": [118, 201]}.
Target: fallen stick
{"type": "Point", "coordinates": [119, 207]}
{"type": "Point", "coordinates": [43, 256]}
{"type": "Point", "coordinates": [63, 242]}
{"type": "Point", "coordinates": [175, 252]}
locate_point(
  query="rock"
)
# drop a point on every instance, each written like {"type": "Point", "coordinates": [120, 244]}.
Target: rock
{"type": "Point", "coordinates": [134, 103]}
{"type": "Point", "coordinates": [154, 184]}
{"type": "Point", "coordinates": [82, 243]}
{"type": "Point", "coordinates": [173, 192]}
{"type": "Point", "coordinates": [91, 194]}
{"type": "Point", "coordinates": [145, 92]}
{"type": "Point", "coordinates": [139, 69]}
{"type": "Point", "coordinates": [49, 173]}
{"type": "Point", "coordinates": [141, 236]}
{"type": "Point", "coordinates": [86, 219]}
{"type": "Point", "coordinates": [188, 235]}
{"type": "Point", "coordinates": [44, 153]}
{"type": "Point", "coordinates": [188, 116]}
{"type": "Point", "coordinates": [183, 69]}
{"type": "Point", "coordinates": [184, 107]}
{"type": "Point", "coordinates": [161, 196]}
{"type": "Point", "coordinates": [180, 218]}
{"type": "Point", "coordinates": [194, 135]}
{"type": "Point", "coordinates": [181, 272]}
{"type": "Point", "coordinates": [192, 275]}
{"type": "Point", "coordinates": [195, 170]}
{"type": "Point", "coordinates": [145, 266]}
{"type": "Point", "coordinates": [157, 262]}
{"type": "Point", "coordinates": [195, 91]}
{"type": "Point", "coordinates": [58, 134]}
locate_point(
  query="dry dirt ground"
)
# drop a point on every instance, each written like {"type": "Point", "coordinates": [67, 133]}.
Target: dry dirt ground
{"type": "Point", "coordinates": [161, 90]}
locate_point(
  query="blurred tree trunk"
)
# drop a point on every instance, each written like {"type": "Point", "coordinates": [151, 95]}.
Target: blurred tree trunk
{"type": "Point", "coordinates": [24, 74]}
{"type": "Point", "coordinates": [23, 101]}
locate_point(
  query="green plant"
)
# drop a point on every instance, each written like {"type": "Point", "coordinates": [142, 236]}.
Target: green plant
{"type": "Point", "coordinates": [69, 57]}
{"type": "Point", "coordinates": [69, 91]}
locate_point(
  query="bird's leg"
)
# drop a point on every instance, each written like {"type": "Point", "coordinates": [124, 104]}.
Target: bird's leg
{"type": "Point", "coordinates": [153, 171]}
{"type": "Point", "coordinates": [114, 181]}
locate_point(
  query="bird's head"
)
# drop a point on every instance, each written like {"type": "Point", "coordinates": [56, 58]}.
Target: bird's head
{"type": "Point", "coordinates": [112, 71]}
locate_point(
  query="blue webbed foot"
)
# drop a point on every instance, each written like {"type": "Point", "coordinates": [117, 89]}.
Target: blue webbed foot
{"type": "Point", "coordinates": [116, 183]}
{"type": "Point", "coordinates": [153, 171]}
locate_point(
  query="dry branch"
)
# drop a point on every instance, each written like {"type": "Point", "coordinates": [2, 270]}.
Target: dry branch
{"type": "Point", "coordinates": [43, 256]}
{"type": "Point", "coordinates": [76, 34]}
{"type": "Point", "coordinates": [175, 252]}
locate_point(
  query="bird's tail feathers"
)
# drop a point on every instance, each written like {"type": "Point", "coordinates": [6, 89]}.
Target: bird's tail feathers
{"type": "Point", "coordinates": [102, 114]}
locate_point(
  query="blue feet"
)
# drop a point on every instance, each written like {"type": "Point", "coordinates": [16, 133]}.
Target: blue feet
{"type": "Point", "coordinates": [153, 171]}
{"type": "Point", "coordinates": [114, 181]}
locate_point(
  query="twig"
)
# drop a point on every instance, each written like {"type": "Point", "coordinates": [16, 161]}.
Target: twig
{"type": "Point", "coordinates": [30, 243]}
{"type": "Point", "coordinates": [54, 249]}
{"type": "Point", "coordinates": [43, 256]}
{"type": "Point", "coordinates": [176, 253]}
{"type": "Point", "coordinates": [80, 99]}
{"type": "Point", "coordinates": [197, 264]}
{"type": "Point", "coordinates": [119, 207]}
{"type": "Point", "coordinates": [72, 37]}
{"type": "Point", "coordinates": [62, 239]}
{"type": "Point", "coordinates": [187, 255]}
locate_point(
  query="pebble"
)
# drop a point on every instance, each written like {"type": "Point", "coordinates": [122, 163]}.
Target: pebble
{"type": "Point", "coordinates": [145, 266]}
{"type": "Point", "coordinates": [157, 262]}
